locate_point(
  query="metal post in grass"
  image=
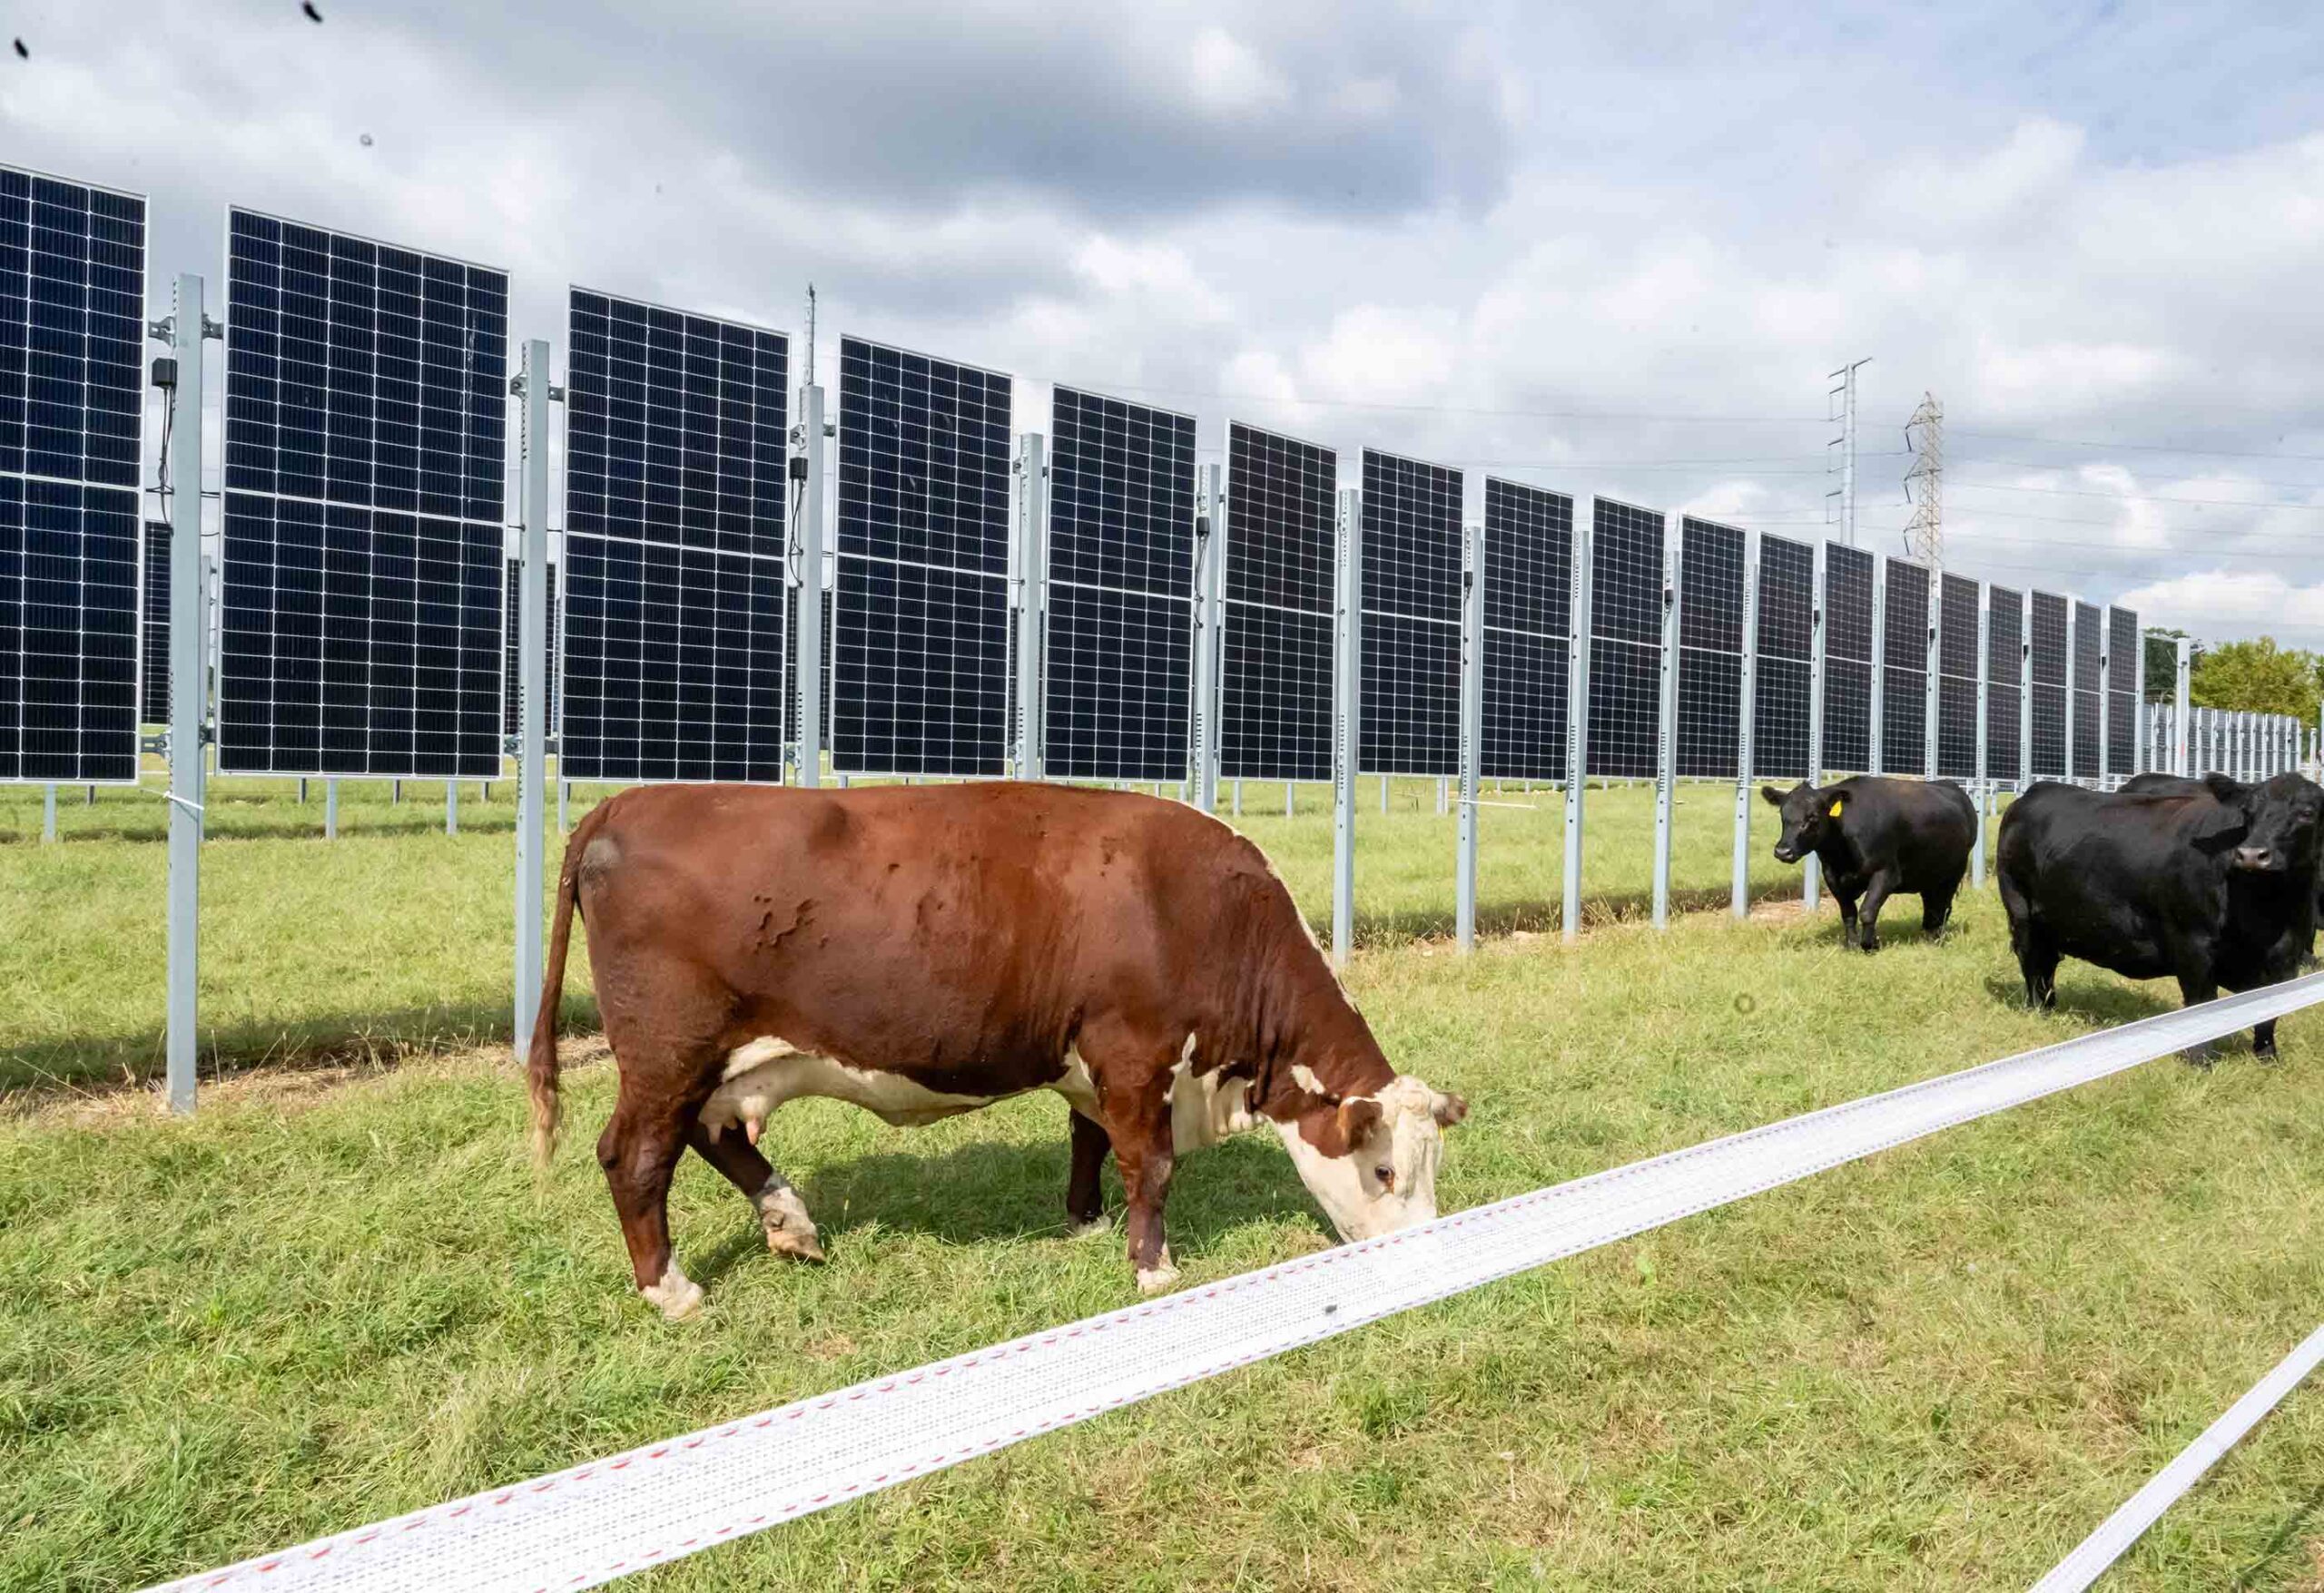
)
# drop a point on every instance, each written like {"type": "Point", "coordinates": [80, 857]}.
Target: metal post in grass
{"type": "Point", "coordinates": [1984, 794]}
{"type": "Point", "coordinates": [2142, 731]}
{"type": "Point", "coordinates": [330, 809]}
{"type": "Point", "coordinates": [2105, 695]}
{"type": "Point", "coordinates": [1738, 889]}
{"type": "Point", "coordinates": [807, 644]}
{"type": "Point", "coordinates": [1383, 795]}
{"type": "Point", "coordinates": [1238, 799]}
{"type": "Point", "coordinates": [1876, 732]}
{"type": "Point", "coordinates": [532, 385]}
{"type": "Point", "coordinates": [1032, 596]}
{"type": "Point", "coordinates": [1577, 724]}
{"type": "Point", "coordinates": [1930, 665]}
{"type": "Point", "coordinates": [49, 813]}
{"type": "Point", "coordinates": [1210, 552]}
{"type": "Point", "coordinates": [451, 807]}
{"type": "Point", "coordinates": [1473, 721]}
{"type": "Point", "coordinates": [1811, 869]}
{"type": "Point", "coordinates": [1347, 707]}
{"type": "Point", "coordinates": [187, 330]}
{"type": "Point", "coordinates": [565, 802]}
{"type": "Point", "coordinates": [2025, 691]}
{"type": "Point", "coordinates": [1666, 726]}
{"type": "Point", "coordinates": [1444, 794]}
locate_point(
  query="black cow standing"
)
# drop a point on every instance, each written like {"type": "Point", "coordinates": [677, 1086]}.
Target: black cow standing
{"type": "Point", "coordinates": [2180, 785]}
{"type": "Point", "coordinates": [2212, 883]}
{"type": "Point", "coordinates": [1877, 836]}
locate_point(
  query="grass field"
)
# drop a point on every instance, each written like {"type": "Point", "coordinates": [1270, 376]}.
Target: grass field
{"type": "Point", "coordinates": [339, 1293]}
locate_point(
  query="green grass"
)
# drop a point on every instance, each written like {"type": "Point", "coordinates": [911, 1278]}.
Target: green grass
{"type": "Point", "coordinates": [325, 1301]}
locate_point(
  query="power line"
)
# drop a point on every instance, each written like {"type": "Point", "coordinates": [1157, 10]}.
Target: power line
{"type": "Point", "coordinates": [2059, 442]}
{"type": "Point", "coordinates": [2144, 498]}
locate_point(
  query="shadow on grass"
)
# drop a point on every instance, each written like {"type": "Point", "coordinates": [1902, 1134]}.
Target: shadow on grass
{"type": "Point", "coordinates": [2111, 1004]}
{"type": "Point", "coordinates": [1538, 915]}
{"type": "Point", "coordinates": [2293, 1531]}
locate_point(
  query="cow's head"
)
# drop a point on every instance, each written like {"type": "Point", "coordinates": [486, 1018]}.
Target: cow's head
{"type": "Point", "coordinates": [1370, 1161]}
{"type": "Point", "coordinates": [2279, 822]}
{"type": "Point", "coordinates": [1808, 814]}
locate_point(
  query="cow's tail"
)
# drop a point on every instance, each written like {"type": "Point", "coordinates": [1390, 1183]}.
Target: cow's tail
{"type": "Point", "coordinates": [541, 1066]}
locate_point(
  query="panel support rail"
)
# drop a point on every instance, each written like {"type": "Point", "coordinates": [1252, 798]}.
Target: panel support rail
{"type": "Point", "coordinates": [593, 1523]}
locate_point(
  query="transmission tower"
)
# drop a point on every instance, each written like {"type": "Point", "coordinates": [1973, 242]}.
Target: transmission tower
{"type": "Point", "coordinates": [1839, 503]}
{"type": "Point", "coordinates": [1925, 483]}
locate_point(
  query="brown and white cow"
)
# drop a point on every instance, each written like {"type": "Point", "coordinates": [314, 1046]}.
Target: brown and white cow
{"type": "Point", "coordinates": [923, 951]}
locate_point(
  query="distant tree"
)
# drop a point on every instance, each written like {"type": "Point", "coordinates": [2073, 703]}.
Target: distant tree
{"type": "Point", "coordinates": [2257, 677]}
{"type": "Point", "coordinates": [2162, 683]}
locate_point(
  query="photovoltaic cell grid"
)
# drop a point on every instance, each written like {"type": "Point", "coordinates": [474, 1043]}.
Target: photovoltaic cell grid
{"type": "Point", "coordinates": [1411, 679]}
{"type": "Point", "coordinates": [1787, 642]}
{"type": "Point", "coordinates": [1711, 559]}
{"type": "Point", "coordinates": [1904, 701]}
{"type": "Point", "coordinates": [1275, 673]}
{"type": "Point", "coordinates": [365, 436]}
{"type": "Point", "coordinates": [676, 436]}
{"type": "Point", "coordinates": [1956, 679]}
{"type": "Point", "coordinates": [2046, 687]}
{"type": "Point", "coordinates": [2125, 674]}
{"type": "Point", "coordinates": [2088, 648]}
{"type": "Point", "coordinates": [1529, 607]}
{"type": "Point", "coordinates": [153, 628]}
{"type": "Point", "coordinates": [1625, 639]}
{"type": "Point", "coordinates": [2005, 676]}
{"type": "Point", "coordinates": [1120, 636]}
{"type": "Point", "coordinates": [72, 330]}
{"type": "Point", "coordinates": [513, 698]}
{"type": "Point", "coordinates": [1848, 658]}
{"type": "Point", "coordinates": [920, 679]}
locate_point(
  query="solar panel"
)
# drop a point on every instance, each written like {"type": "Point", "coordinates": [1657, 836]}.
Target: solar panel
{"type": "Point", "coordinates": [366, 416]}
{"type": "Point", "coordinates": [675, 438]}
{"type": "Point", "coordinates": [2088, 649]}
{"type": "Point", "coordinates": [2125, 682]}
{"type": "Point", "coordinates": [1626, 640]}
{"type": "Point", "coordinates": [1410, 675]}
{"type": "Point", "coordinates": [1529, 607]}
{"type": "Point", "coordinates": [1120, 632]}
{"type": "Point", "coordinates": [153, 628]}
{"type": "Point", "coordinates": [1783, 678]}
{"type": "Point", "coordinates": [919, 678]}
{"type": "Point", "coordinates": [1903, 699]}
{"type": "Point", "coordinates": [1848, 658]}
{"type": "Point", "coordinates": [72, 407]}
{"type": "Point", "coordinates": [512, 700]}
{"type": "Point", "coordinates": [1956, 679]}
{"type": "Point", "coordinates": [2046, 661]}
{"type": "Point", "coordinates": [1711, 559]}
{"type": "Point", "coordinates": [1275, 675]}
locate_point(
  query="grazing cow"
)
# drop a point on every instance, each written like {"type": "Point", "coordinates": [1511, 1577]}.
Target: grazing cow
{"type": "Point", "coordinates": [2179, 784]}
{"type": "Point", "coordinates": [922, 952]}
{"type": "Point", "coordinates": [2209, 882]}
{"type": "Point", "coordinates": [1877, 836]}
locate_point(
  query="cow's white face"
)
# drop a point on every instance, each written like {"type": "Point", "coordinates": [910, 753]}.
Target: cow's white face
{"type": "Point", "coordinates": [1386, 1178]}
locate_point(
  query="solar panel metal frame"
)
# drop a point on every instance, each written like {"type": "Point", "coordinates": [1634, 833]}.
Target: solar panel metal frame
{"type": "Point", "coordinates": [1101, 592]}
{"type": "Point", "coordinates": [1528, 632]}
{"type": "Point", "coordinates": [1629, 554]}
{"type": "Point", "coordinates": [967, 733]}
{"type": "Point", "coordinates": [732, 723]}
{"type": "Point", "coordinates": [105, 678]}
{"type": "Point", "coordinates": [1784, 643]}
{"type": "Point", "coordinates": [1264, 641]}
{"type": "Point", "coordinates": [1849, 576]}
{"type": "Point", "coordinates": [2046, 688]}
{"type": "Point", "coordinates": [2089, 653]}
{"type": "Point", "coordinates": [480, 543]}
{"type": "Point", "coordinates": [1410, 670]}
{"type": "Point", "coordinates": [153, 626]}
{"type": "Point", "coordinates": [1714, 568]}
{"type": "Point", "coordinates": [1956, 679]}
{"type": "Point", "coordinates": [2125, 662]}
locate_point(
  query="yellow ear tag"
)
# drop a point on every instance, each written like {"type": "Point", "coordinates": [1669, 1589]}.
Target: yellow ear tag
{"type": "Point", "coordinates": [1836, 809]}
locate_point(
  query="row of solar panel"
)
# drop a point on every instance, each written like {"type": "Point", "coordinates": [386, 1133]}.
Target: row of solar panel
{"type": "Point", "coordinates": [366, 625]}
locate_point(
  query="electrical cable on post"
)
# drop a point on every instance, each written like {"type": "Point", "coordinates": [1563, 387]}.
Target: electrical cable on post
{"type": "Point", "coordinates": [532, 385]}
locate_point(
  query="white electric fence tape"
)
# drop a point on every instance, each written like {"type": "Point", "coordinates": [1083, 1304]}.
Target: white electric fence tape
{"type": "Point", "coordinates": [589, 1525]}
{"type": "Point", "coordinates": [2102, 1547]}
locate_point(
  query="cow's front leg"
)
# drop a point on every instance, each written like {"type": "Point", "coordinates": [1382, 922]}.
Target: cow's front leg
{"type": "Point", "coordinates": [2196, 986]}
{"type": "Point", "coordinates": [789, 1231]}
{"type": "Point", "coordinates": [1875, 895]}
{"type": "Point", "coordinates": [1143, 1150]}
{"type": "Point", "coordinates": [1847, 898]}
{"type": "Point", "coordinates": [1085, 1199]}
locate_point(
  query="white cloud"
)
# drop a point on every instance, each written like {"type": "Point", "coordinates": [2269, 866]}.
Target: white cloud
{"type": "Point", "coordinates": [2233, 602]}
{"type": "Point", "coordinates": [1228, 77]}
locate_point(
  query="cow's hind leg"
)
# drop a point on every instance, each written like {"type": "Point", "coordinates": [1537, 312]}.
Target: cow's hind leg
{"type": "Point", "coordinates": [1936, 909]}
{"type": "Point", "coordinates": [1132, 1071]}
{"type": "Point", "coordinates": [789, 1231]}
{"type": "Point", "coordinates": [1085, 1200]}
{"type": "Point", "coordinates": [639, 1150]}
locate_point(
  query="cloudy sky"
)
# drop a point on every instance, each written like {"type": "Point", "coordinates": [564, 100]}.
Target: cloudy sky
{"type": "Point", "coordinates": [1612, 249]}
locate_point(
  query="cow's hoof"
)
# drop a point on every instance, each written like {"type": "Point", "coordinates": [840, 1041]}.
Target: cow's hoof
{"type": "Point", "coordinates": [2202, 1056]}
{"type": "Point", "coordinates": [1077, 1228]}
{"type": "Point", "coordinates": [799, 1244]}
{"type": "Point", "coordinates": [1156, 1280]}
{"type": "Point", "coordinates": [678, 1295]}
{"type": "Point", "coordinates": [2266, 1054]}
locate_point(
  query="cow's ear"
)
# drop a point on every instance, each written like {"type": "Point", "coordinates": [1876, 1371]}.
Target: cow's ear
{"type": "Point", "coordinates": [2226, 787]}
{"type": "Point", "coordinates": [1448, 1109]}
{"type": "Point", "coordinates": [1337, 1132]}
{"type": "Point", "coordinates": [2220, 826]}
{"type": "Point", "coordinates": [1773, 797]}
{"type": "Point", "coordinates": [1834, 810]}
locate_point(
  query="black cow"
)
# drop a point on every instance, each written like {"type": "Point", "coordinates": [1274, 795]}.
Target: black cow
{"type": "Point", "coordinates": [2212, 883]}
{"type": "Point", "coordinates": [2179, 784]}
{"type": "Point", "coordinates": [1877, 836]}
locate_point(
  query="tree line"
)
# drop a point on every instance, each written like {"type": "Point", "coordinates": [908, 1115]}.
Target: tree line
{"type": "Point", "coordinates": [2256, 676]}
